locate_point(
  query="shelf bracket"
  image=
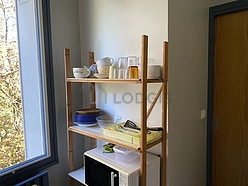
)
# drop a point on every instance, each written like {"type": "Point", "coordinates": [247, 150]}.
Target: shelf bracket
{"type": "Point", "coordinates": [155, 100]}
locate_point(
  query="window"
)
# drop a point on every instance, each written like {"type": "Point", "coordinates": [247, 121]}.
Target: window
{"type": "Point", "coordinates": [26, 70]}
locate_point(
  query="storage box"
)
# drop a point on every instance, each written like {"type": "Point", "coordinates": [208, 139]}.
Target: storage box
{"type": "Point", "coordinates": [125, 155]}
{"type": "Point", "coordinates": [113, 132]}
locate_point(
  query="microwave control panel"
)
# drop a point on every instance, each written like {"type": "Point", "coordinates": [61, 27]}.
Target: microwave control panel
{"type": "Point", "coordinates": [129, 179]}
{"type": "Point", "coordinates": [123, 179]}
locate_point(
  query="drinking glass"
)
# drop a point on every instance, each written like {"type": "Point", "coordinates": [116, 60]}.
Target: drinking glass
{"type": "Point", "coordinates": [122, 63]}
{"type": "Point", "coordinates": [122, 68]}
{"type": "Point", "coordinates": [133, 72]}
{"type": "Point", "coordinates": [132, 61]}
{"type": "Point", "coordinates": [122, 73]}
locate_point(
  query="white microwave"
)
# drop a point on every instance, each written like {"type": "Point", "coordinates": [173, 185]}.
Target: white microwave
{"type": "Point", "coordinates": [102, 169]}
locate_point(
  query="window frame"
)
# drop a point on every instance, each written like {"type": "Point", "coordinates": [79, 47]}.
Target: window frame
{"type": "Point", "coordinates": [27, 171]}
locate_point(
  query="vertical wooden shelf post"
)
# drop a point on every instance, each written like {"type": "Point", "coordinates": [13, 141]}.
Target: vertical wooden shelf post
{"type": "Point", "coordinates": [92, 85]}
{"type": "Point", "coordinates": [68, 111]}
{"type": "Point", "coordinates": [143, 109]}
{"type": "Point", "coordinates": [92, 96]}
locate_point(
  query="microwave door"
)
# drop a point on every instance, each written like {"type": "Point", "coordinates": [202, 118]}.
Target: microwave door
{"type": "Point", "coordinates": [99, 174]}
{"type": "Point", "coordinates": [113, 176]}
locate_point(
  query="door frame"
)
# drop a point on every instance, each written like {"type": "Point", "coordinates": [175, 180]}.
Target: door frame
{"type": "Point", "coordinates": [213, 12]}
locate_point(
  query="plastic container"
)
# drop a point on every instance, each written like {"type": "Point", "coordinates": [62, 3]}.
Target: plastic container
{"type": "Point", "coordinates": [125, 155]}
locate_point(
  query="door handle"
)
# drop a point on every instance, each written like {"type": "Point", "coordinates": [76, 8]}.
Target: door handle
{"type": "Point", "coordinates": [215, 124]}
{"type": "Point", "coordinates": [113, 176]}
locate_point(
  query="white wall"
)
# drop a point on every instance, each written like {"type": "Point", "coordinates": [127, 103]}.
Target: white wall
{"type": "Point", "coordinates": [188, 58]}
{"type": "Point", "coordinates": [65, 33]}
{"type": "Point", "coordinates": [114, 28]}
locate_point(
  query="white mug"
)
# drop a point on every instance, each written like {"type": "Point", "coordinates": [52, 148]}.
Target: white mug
{"type": "Point", "coordinates": [103, 69]}
{"type": "Point", "coordinates": [106, 61]}
{"type": "Point", "coordinates": [81, 72]}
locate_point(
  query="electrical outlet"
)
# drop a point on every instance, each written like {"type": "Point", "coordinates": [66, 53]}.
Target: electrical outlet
{"type": "Point", "coordinates": [203, 114]}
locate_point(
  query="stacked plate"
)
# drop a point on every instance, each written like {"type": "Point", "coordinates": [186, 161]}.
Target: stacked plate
{"type": "Point", "coordinates": [86, 117]}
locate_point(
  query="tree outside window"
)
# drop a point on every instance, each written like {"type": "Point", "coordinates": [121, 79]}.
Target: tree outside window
{"type": "Point", "coordinates": [11, 125]}
{"type": "Point", "coordinates": [28, 141]}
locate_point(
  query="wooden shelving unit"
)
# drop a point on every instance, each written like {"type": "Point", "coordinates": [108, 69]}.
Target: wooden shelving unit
{"type": "Point", "coordinates": [96, 132]}
{"type": "Point", "coordinates": [117, 81]}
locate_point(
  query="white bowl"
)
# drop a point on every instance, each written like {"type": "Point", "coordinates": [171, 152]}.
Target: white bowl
{"type": "Point", "coordinates": [153, 71]}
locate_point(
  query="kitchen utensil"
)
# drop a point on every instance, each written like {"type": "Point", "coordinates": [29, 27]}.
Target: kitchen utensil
{"type": "Point", "coordinates": [81, 72]}
{"type": "Point", "coordinates": [153, 71]}
{"type": "Point", "coordinates": [88, 111]}
{"type": "Point", "coordinates": [85, 119]}
{"type": "Point", "coordinates": [125, 155]}
{"type": "Point", "coordinates": [122, 73]}
{"type": "Point", "coordinates": [112, 72]}
{"type": "Point", "coordinates": [85, 125]}
{"type": "Point", "coordinates": [132, 125]}
{"type": "Point", "coordinates": [122, 68]}
{"type": "Point", "coordinates": [108, 120]}
{"type": "Point", "coordinates": [132, 63]}
{"type": "Point", "coordinates": [122, 63]}
{"type": "Point", "coordinates": [101, 76]}
{"type": "Point", "coordinates": [103, 69]}
{"type": "Point", "coordinates": [106, 61]}
{"type": "Point", "coordinates": [93, 69]}
{"type": "Point", "coordinates": [125, 130]}
{"type": "Point", "coordinates": [108, 148]}
{"type": "Point", "coordinates": [133, 72]}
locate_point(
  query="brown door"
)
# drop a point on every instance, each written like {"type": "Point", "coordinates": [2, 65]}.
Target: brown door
{"type": "Point", "coordinates": [230, 100]}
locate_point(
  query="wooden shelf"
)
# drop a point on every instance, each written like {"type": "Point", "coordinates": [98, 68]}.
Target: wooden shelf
{"type": "Point", "coordinates": [118, 81]}
{"type": "Point", "coordinates": [96, 132]}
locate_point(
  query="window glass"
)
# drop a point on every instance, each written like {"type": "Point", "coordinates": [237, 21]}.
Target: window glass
{"type": "Point", "coordinates": [27, 123]}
